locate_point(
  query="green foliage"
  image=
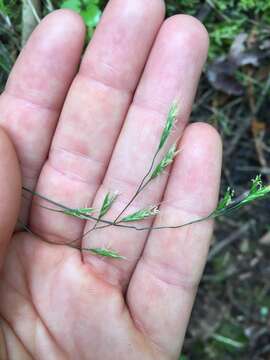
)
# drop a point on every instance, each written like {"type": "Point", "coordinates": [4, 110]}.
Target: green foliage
{"type": "Point", "coordinates": [184, 6]}
{"type": "Point", "coordinates": [88, 9]}
{"type": "Point", "coordinates": [247, 4]}
{"type": "Point", "coordinates": [258, 5]}
{"type": "Point", "coordinates": [229, 338]}
{"type": "Point", "coordinates": [183, 357]}
{"type": "Point", "coordinates": [222, 35]}
{"type": "Point", "coordinates": [223, 5]}
{"type": "Point", "coordinates": [6, 61]}
{"type": "Point", "coordinates": [226, 19]}
{"type": "Point", "coordinates": [9, 33]}
{"type": "Point", "coordinates": [3, 8]}
{"type": "Point", "coordinates": [228, 342]}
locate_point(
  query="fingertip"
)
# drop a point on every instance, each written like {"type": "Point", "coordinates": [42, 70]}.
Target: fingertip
{"type": "Point", "coordinates": [190, 28]}
{"type": "Point", "coordinates": [121, 43]}
{"type": "Point", "coordinates": [156, 8]}
{"type": "Point", "coordinates": [159, 7]}
{"type": "Point", "coordinates": [69, 19]}
{"type": "Point", "coordinates": [49, 61]}
{"type": "Point", "coordinates": [198, 169]}
{"type": "Point", "coordinates": [205, 133]}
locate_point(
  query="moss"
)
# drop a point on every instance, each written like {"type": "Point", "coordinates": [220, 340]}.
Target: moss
{"type": "Point", "coordinates": [226, 19]}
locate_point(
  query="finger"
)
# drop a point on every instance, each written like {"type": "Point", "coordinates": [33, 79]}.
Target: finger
{"type": "Point", "coordinates": [95, 110]}
{"type": "Point", "coordinates": [163, 287]}
{"type": "Point", "coordinates": [37, 86]}
{"type": "Point", "coordinates": [173, 71]}
{"type": "Point", "coordinates": [10, 191]}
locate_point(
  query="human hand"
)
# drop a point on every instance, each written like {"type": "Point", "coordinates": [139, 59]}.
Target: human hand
{"type": "Point", "coordinates": [77, 135]}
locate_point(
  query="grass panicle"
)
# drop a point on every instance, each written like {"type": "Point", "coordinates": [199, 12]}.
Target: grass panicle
{"type": "Point", "coordinates": [141, 214]}
{"type": "Point", "coordinates": [226, 200]}
{"type": "Point", "coordinates": [170, 122]}
{"type": "Point", "coordinates": [81, 213]}
{"type": "Point", "coordinates": [228, 204]}
{"type": "Point", "coordinates": [256, 185]}
{"type": "Point", "coordinates": [257, 191]}
{"type": "Point", "coordinates": [108, 201]}
{"type": "Point", "coordinates": [109, 253]}
{"type": "Point", "coordinates": [165, 162]}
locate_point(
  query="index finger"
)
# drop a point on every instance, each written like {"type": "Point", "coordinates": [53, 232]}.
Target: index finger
{"type": "Point", "coordinates": [36, 89]}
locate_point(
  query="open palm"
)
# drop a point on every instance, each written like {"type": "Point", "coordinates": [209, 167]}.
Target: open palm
{"type": "Point", "coordinates": [79, 134]}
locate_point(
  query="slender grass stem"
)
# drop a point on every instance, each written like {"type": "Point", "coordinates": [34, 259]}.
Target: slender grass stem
{"type": "Point", "coordinates": [235, 205]}
{"type": "Point", "coordinates": [141, 186]}
{"type": "Point", "coordinates": [107, 222]}
{"type": "Point", "coordinates": [96, 251]}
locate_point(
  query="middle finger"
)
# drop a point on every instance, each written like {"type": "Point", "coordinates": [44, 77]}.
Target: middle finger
{"type": "Point", "coordinates": [172, 71]}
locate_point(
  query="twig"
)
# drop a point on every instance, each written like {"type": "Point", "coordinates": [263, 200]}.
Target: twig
{"type": "Point", "coordinates": [141, 186]}
{"type": "Point", "coordinates": [258, 133]}
{"type": "Point", "coordinates": [34, 6]}
{"type": "Point", "coordinates": [30, 18]}
{"type": "Point", "coordinates": [246, 124]}
{"type": "Point", "coordinates": [229, 240]}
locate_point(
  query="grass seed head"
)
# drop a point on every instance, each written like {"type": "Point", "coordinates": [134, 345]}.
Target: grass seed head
{"type": "Point", "coordinates": [170, 122]}
{"type": "Point", "coordinates": [81, 213]}
{"type": "Point", "coordinates": [257, 191]}
{"type": "Point", "coordinates": [256, 184]}
{"type": "Point", "coordinates": [141, 214]}
{"type": "Point", "coordinates": [226, 200]}
{"type": "Point", "coordinates": [106, 253]}
{"type": "Point", "coordinates": [166, 161]}
{"type": "Point", "coordinates": [108, 201]}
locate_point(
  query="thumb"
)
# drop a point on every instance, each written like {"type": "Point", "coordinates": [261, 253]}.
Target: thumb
{"type": "Point", "coordinates": [10, 191]}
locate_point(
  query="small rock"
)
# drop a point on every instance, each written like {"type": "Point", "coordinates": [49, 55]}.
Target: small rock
{"type": "Point", "coordinates": [265, 239]}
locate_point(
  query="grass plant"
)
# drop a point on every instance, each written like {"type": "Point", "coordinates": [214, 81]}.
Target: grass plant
{"type": "Point", "coordinates": [226, 206]}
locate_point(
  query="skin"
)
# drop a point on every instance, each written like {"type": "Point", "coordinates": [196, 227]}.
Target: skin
{"type": "Point", "coordinates": [74, 132]}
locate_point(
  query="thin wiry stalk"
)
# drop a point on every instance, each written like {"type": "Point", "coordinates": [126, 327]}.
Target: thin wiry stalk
{"type": "Point", "coordinates": [241, 201]}
{"type": "Point", "coordinates": [170, 122]}
{"type": "Point", "coordinates": [96, 251]}
{"type": "Point", "coordinates": [34, 10]}
{"type": "Point", "coordinates": [140, 188]}
{"type": "Point", "coordinates": [226, 211]}
{"type": "Point", "coordinates": [61, 206]}
{"type": "Point", "coordinates": [225, 207]}
{"type": "Point", "coordinates": [134, 227]}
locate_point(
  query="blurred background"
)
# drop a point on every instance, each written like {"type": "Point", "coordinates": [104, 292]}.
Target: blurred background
{"type": "Point", "coordinates": [231, 317]}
